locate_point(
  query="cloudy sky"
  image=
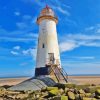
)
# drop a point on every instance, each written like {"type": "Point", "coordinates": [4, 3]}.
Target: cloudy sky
{"type": "Point", "coordinates": [78, 33]}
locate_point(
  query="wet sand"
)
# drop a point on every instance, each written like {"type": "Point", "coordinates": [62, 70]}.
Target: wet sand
{"type": "Point", "coordinates": [12, 81]}
{"type": "Point", "coordinates": [79, 79]}
{"type": "Point", "coordinates": [86, 79]}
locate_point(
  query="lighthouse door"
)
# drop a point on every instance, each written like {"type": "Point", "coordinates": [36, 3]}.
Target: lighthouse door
{"type": "Point", "coordinates": [51, 58]}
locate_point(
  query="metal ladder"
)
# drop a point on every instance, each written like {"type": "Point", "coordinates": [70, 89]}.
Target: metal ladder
{"type": "Point", "coordinates": [59, 73]}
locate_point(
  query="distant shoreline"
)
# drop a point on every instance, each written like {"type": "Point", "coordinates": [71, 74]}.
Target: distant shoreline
{"type": "Point", "coordinates": [90, 79]}
{"type": "Point", "coordinates": [15, 77]}
{"type": "Point", "coordinates": [75, 75]}
{"type": "Point", "coordinates": [85, 75]}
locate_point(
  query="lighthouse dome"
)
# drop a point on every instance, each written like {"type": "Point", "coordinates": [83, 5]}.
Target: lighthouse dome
{"type": "Point", "coordinates": [47, 11]}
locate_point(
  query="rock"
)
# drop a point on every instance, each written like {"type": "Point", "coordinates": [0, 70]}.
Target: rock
{"type": "Point", "coordinates": [61, 91]}
{"type": "Point", "coordinates": [97, 97]}
{"type": "Point", "coordinates": [77, 97]}
{"type": "Point", "coordinates": [92, 89]}
{"type": "Point", "coordinates": [43, 89]}
{"type": "Point", "coordinates": [54, 92]}
{"type": "Point", "coordinates": [37, 96]}
{"type": "Point", "coordinates": [2, 89]}
{"type": "Point", "coordinates": [82, 86]}
{"type": "Point", "coordinates": [93, 85]}
{"type": "Point", "coordinates": [59, 98]}
{"type": "Point", "coordinates": [81, 96]}
{"type": "Point", "coordinates": [66, 90]}
{"type": "Point", "coordinates": [87, 90]}
{"type": "Point", "coordinates": [86, 98]}
{"type": "Point", "coordinates": [81, 91]}
{"type": "Point", "coordinates": [51, 88]}
{"type": "Point", "coordinates": [60, 86]}
{"type": "Point", "coordinates": [21, 96]}
{"type": "Point", "coordinates": [72, 90]}
{"type": "Point", "coordinates": [88, 94]}
{"type": "Point", "coordinates": [97, 92]}
{"type": "Point", "coordinates": [64, 97]}
{"type": "Point", "coordinates": [41, 99]}
{"type": "Point", "coordinates": [55, 98]}
{"type": "Point", "coordinates": [93, 99]}
{"type": "Point", "coordinates": [1, 98]}
{"type": "Point", "coordinates": [75, 91]}
{"type": "Point", "coordinates": [97, 87]}
{"type": "Point", "coordinates": [70, 85]}
{"type": "Point", "coordinates": [71, 95]}
{"type": "Point", "coordinates": [44, 94]}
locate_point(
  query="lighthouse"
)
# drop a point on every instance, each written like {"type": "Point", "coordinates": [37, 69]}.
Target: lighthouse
{"type": "Point", "coordinates": [48, 69]}
{"type": "Point", "coordinates": [48, 49]}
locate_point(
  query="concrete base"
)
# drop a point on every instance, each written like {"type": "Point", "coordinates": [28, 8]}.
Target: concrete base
{"type": "Point", "coordinates": [42, 71]}
{"type": "Point", "coordinates": [35, 83]}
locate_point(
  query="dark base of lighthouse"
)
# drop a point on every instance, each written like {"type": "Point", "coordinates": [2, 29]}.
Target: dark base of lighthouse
{"type": "Point", "coordinates": [42, 71]}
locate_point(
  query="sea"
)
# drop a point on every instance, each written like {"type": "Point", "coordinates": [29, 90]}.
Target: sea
{"type": "Point", "coordinates": [68, 75]}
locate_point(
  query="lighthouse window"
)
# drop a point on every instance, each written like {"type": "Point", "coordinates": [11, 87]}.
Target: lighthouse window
{"type": "Point", "coordinates": [43, 46]}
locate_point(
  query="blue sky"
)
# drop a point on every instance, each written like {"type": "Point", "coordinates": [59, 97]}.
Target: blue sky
{"type": "Point", "coordinates": [78, 34]}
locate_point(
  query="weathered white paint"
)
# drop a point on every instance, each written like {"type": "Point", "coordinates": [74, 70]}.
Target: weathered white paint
{"type": "Point", "coordinates": [48, 37]}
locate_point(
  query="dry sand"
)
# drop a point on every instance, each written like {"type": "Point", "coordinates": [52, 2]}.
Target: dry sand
{"type": "Point", "coordinates": [12, 81]}
{"type": "Point", "coordinates": [86, 79]}
{"type": "Point", "coordinates": [79, 79]}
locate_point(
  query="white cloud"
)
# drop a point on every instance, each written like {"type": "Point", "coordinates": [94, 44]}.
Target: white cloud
{"type": "Point", "coordinates": [14, 53]}
{"type": "Point", "coordinates": [83, 36]}
{"type": "Point", "coordinates": [84, 57]}
{"type": "Point", "coordinates": [98, 31]}
{"type": "Point", "coordinates": [31, 52]}
{"type": "Point", "coordinates": [90, 28]}
{"type": "Point", "coordinates": [72, 41]}
{"type": "Point", "coordinates": [24, 64]}
{"type": "Point", "coordinates": [28, 22]}
{"type": "Point", "coordinates": [55, 4]}
{"type": "Point", "coordinates": [67, 46]}
{"type": "Point", "coordinates": [15, 39]}
{"type": "Point", "coordinates": [60, 9]}
{"type": "Point", "coordinates": [23, 33]}
{"type": "Point", "coordinates": [17, 13]}
{"type": "Point", "coordinates": [21, 25]}
{"type": "Point", "coordinates": [82, 68]}
{"type": "Point", "coordinates": [16, 47]}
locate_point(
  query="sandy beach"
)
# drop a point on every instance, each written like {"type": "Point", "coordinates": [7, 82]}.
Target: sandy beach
{"type": "Point", "coordinates": [86, 79]}
{"type": "Point", "coordinates": [12, 81]}
{"type": "Point", "coordinates": [79, 79]}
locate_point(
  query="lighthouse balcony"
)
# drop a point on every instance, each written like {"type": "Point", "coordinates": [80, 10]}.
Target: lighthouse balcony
{"type": "Point", "coordinates": [42, 17]}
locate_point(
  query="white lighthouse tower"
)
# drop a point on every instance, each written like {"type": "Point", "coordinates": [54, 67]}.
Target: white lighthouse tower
{"type": "Point", "coordinates": [48, 49]}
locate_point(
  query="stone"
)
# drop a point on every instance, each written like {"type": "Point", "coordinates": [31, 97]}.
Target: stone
{"type": "Point", "coordinates": [82, 86]}
{"type": "Point", "coordinates": [64, 97]}
{"type": "Point", "coordinates": [61, 91]}
{"type": "Point", "coordinates": [77, 97]}
{"type": "Point", "coordinates": [66, 90]}
{"type": "Point", "coordinates": [81, 91]}
{"type": "Point", "coordinates": [81, 96]}
{"type": "Point", "coordinates": [86, 98]}
{"type": "Point", "coordinates": [70, 85]}
{"type": "Point", "coordinates": [21, 96]}
{"type": "Point", "coordinates": [2, 89]}
{"type": "Point", "coordinates": [98, 97]}
{"type": "Point", "coordinates": [71, 95]}
{"type": "Point", "coordinates": [51, 88]}
{"type": "Point", "coordinates": [54, 92]}
{"type": "Point", "coordinates": [75, 91]}
{"type": "Point", "coordinates": [59, 85]}
{"type": "Point", "coordinates": [97, 92]}
{"type": "Point", "coordinates": [55, 98]}
{"type": "Point", "coordinates": [92, 89]}
{"type": "Point", "coordinates": [88, 94]}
